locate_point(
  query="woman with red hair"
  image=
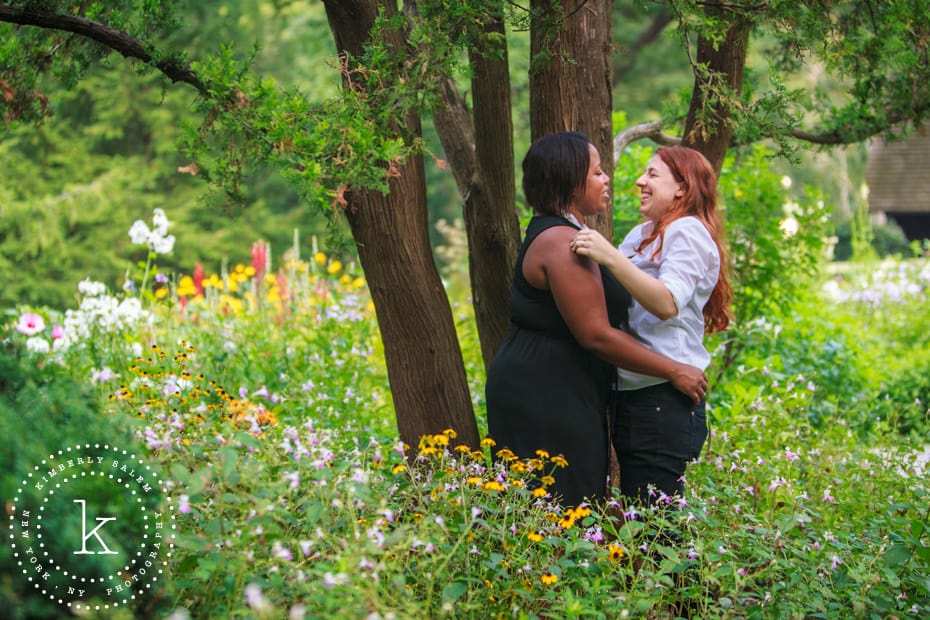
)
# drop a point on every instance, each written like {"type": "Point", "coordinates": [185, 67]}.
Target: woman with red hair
{"type": "Point", "coordinates": [674, 266]}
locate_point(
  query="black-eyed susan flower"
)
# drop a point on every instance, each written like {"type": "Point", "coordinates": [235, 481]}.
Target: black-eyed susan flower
{"type": "Point", "coordinates": [487, 442]}
{"type": "Point", "coordinates": [548, 579]}
{"type": "Point", "coordinates": [559, 461]}
{"type": "Point", "coordinates": [615, 552]}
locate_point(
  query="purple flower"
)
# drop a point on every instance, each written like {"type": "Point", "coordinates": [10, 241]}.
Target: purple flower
{"type": "Point", "coordinates": [30, 324]}
{"type": "Point", "coordinates": [103, 375]}
{"type": "Point", "coordinates": [184, 504]}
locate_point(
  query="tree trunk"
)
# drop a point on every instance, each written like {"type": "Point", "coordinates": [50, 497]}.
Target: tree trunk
{"type": "Point", "coordinates": [570, 76]}
{"type": "Point", "coordinates": [480, 150]}
{"type": "Point", "coordinates": [424, 361]}
{"type": "Point", "coordinates": [708, 127]}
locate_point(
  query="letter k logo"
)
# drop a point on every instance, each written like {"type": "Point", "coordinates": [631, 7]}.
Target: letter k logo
{"type": "Point", "coordinates": [85, 535]}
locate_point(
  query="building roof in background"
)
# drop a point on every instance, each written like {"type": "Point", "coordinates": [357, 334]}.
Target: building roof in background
{"type": "Point", "coordinates": [898, 174]}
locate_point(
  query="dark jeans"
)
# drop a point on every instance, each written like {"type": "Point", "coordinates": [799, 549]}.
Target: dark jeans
{"type": "Point", "coordinates": [657, 430]}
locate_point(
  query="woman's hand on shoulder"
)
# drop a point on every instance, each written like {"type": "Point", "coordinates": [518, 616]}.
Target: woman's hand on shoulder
{"type": "Point", "coordinates": [594, 245]}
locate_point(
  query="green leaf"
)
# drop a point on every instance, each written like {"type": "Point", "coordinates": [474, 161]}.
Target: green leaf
{"type": "Point", "coordinates": [453, 592]}
{"type": "Point", "coordinates": [897, 555]}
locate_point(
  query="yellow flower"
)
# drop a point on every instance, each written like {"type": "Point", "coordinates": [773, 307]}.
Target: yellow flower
{"type": "Point", "coordinates": [358, 283]}
{"type": "Point", "coordinates": [249, 271]}
{"type": "Point", "coordinates": [493, 485]}
{"type": "Point", "coordinates": [540, 492]}
{"type": "Point", "coordinates": [186, 287]}
{"type": "Point", "coordinates": [506, 454]}
{"type": "Point", "coordinates": [559, 461]}
{"type": "Point", "coordinates": [320, 258]}
{"type": "Point", "coordinates": [518, 467]}
{"type": "Point", "coordinates": [548, 579]}
{"type": "Point", "coordinates": [462, 448]}
{"type": "Point", "coordinates": [428, 451]}
{"type": "Point", "coordinates": [161, 293]}
{"type": "Point", "coordinates": [213, 282]}
{"type": "Point", "coordinates": [542, 454]}
{"type": "Point", "coordinates": [487, 442]}
{"type": "Point", "coordinates": [616, 552]}
{"type": "Point", "coordinates": [536, 463]}
{"type": "Point", "coordinates": [547, 480]}
{"type": "Point", "coordinates": [398, 468]}
{"type": "Point", "coordinates": [334, 267]}
{"type": "Point", "coordinates": [440, 440]}
{"type": "Point", "coordinates": [535, 536]}
{"type": "Point", "coordinates": [475, 480]}
{"type": "Point", "coordinates": [517, 483]}
{"type": "Point", "coordinates": [580, 512]}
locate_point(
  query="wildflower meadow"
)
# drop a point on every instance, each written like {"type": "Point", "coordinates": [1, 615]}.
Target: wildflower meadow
{"type": "Point", "coordinates": [258, 399]}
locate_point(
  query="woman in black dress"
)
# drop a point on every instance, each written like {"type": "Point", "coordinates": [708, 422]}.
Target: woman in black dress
{"type": "Point", "coordinates": [548, 385]}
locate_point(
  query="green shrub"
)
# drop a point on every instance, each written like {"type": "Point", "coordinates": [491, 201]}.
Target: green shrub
{"type": "Point", "coordinates": [45, 417]}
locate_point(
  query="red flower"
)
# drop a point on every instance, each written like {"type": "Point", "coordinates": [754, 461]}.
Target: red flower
{"type": "Point", "coordinates": [198, 278]}
{"type": "Point", "coordinates": [259, 252]}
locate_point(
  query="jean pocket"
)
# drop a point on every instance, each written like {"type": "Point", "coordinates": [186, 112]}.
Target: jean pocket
{"type": "Point", "coordinates": [698, 431]}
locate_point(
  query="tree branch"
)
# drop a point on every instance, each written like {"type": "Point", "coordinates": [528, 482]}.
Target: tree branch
{"type": "Point", "coordinates": [652, 130]}
{"type": "Point", "coordinates": [117, 40]}
{"type": "Point", "coordinates": [647, 36]}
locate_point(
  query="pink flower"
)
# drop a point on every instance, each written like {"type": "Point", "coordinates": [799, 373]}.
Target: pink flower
{"type": "Point", "coordinates": [184, 505]}
{"type": "Point", "coordinates": [57, 332]}
{"type": "Point", "coordinates": [30, 324]}
{"type": "Point", "coordinates": [259, 253]}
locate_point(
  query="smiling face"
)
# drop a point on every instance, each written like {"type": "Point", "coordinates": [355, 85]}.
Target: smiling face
{"type": "Point", "coordinates": [659, 189]}
{"type": "Point", "coordinates": [595, 197]}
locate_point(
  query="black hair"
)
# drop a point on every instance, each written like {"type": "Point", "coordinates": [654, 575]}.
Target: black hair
{"type": "Point", "coordinates": [555, 166]}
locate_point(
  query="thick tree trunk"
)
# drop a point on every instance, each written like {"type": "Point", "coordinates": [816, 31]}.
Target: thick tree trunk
{"type": "Point", "coordinates": [424, 361]}
{"type": "Point", "coordinates": [570, 76]}
{"type": "Point", "coordinates": [708, 127]}
{"type": "Point", "coordinates": [480, 150]}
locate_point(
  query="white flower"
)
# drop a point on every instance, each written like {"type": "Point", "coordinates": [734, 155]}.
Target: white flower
{"type": "Point", "coordinates": [139, 232]}
{"type": "Point", "coordinates": [89, 288]}
{"type": "Point", "coordinates": [160, 222]}
{"type": "Point", "coordinates": [158, 239]}
{"type": "Point", "coordinates": [35, 344]}
{"type": "Point", "coordinates": [255, 599]}
{"type": "Point", "coordinates": [162, 245]}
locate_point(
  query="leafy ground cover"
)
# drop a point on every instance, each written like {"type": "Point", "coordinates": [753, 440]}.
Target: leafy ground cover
{"type": "Point", "coordinates": [261, 394]}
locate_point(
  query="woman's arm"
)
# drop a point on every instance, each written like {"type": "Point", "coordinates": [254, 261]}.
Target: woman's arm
{"type": "Point", "coordinates": [576, 285]}
{"type": "Point", "coordinates": [650, 292]}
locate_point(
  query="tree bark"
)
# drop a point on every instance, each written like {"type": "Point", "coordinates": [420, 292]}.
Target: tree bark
{"type": "Point", "coordinates": [570, 77]}
{"type": "Point", "coordinates": [480, 148]}
{"type": "Point", "coordinates": [424, 361]}
{"type": "Point", "coordinates": [708, 127]}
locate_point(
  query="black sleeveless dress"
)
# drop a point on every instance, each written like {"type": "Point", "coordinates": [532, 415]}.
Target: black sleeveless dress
{"type": "Point", "coordinates": [544, 391]}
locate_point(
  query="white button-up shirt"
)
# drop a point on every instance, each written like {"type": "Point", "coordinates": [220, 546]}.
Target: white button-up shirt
{"type": "Point", "coordinates": [688, 265]}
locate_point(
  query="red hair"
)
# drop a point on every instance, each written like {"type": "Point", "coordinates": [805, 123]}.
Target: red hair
{"type": "Point", "coordinates": [699, 183]}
